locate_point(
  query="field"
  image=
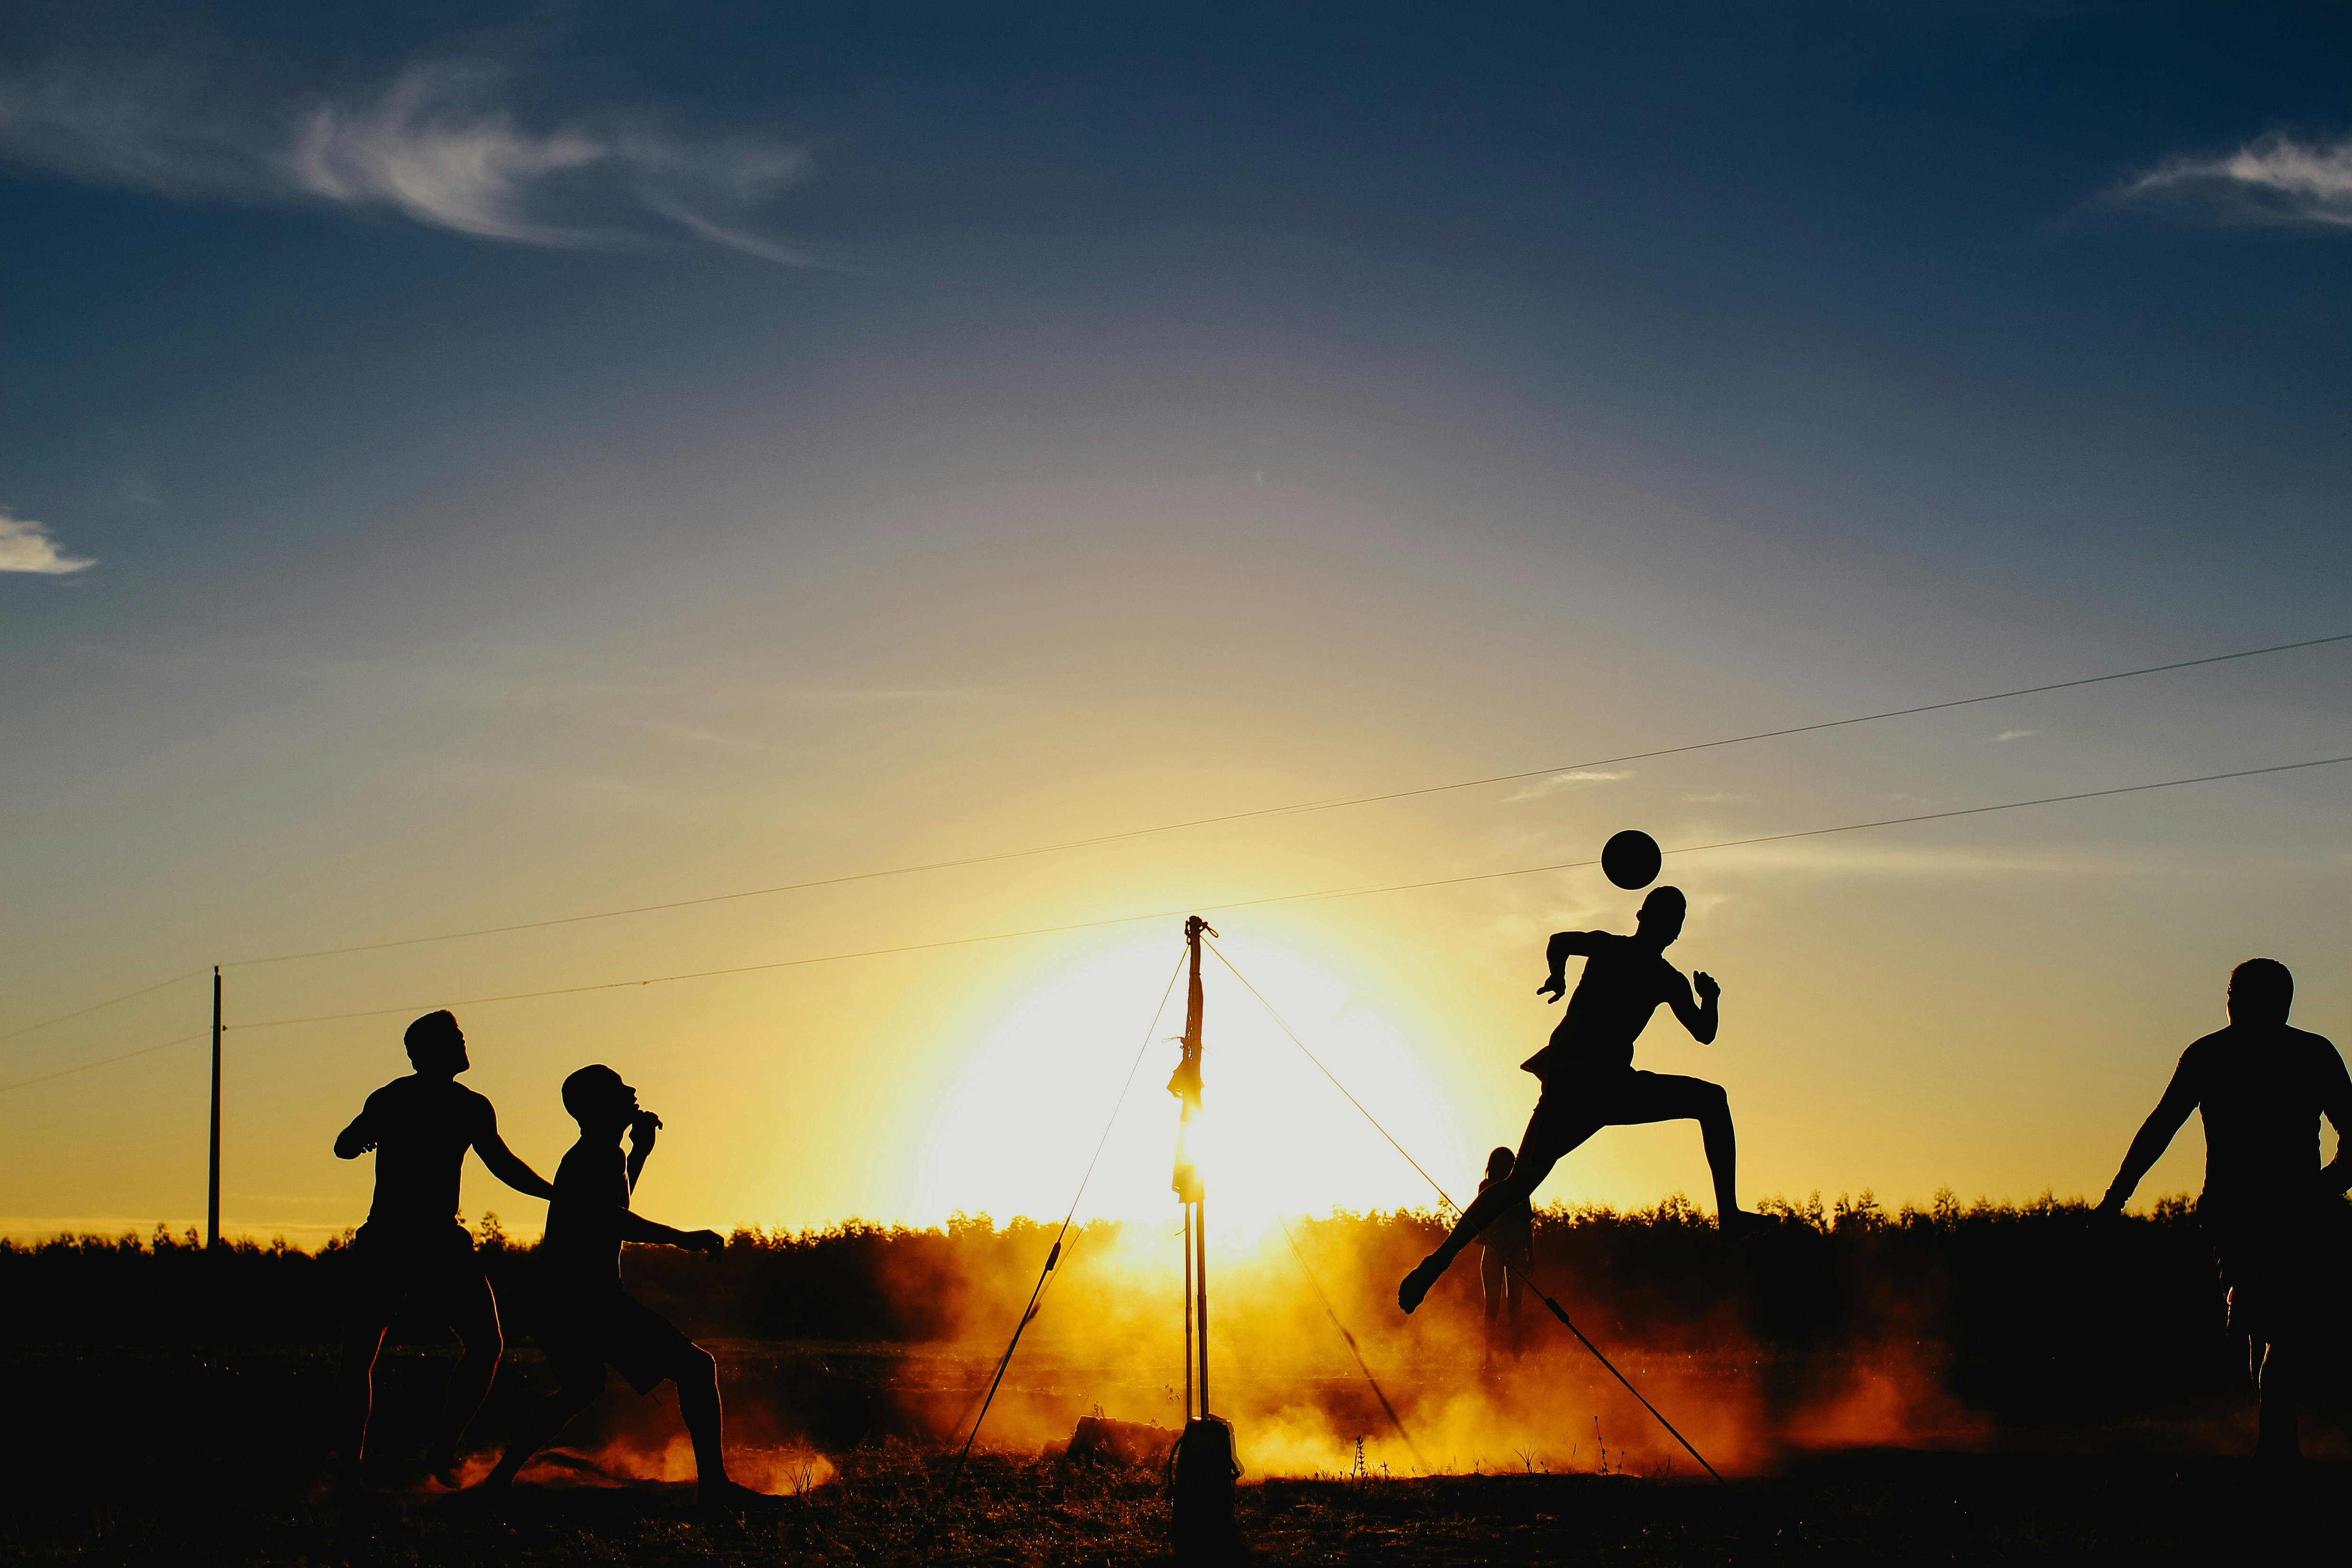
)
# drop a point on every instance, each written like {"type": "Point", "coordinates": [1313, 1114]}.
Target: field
{"type": "Point", "coordinates": [124, 1456]}
{"type": "Point", "coordinates": [1962, 1385]}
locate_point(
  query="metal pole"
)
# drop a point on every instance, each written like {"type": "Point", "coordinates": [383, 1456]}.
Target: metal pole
{"type": "Point", "coordinates": [1201, 1276]}
{"type": "Point", "coordinates": [211, 1192]}
{"type": "Point", "coordinates": [1188, 1310]}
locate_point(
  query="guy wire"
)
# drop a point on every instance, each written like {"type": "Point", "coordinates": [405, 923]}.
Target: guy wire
{"type": "Point", "coordinates": [1362, 1365]}
{"type": "Point", "coordinates": [1053, 1258]}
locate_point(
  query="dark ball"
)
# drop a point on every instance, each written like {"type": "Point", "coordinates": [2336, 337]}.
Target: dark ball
{"type": "Point", "coordinates": [1631, 859]}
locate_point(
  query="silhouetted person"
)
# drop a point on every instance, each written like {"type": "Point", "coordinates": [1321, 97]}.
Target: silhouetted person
{"type": "Point", "coordinates": [2262, 1087]}
{"type": "Point", "coordinates": [411, 1258]}
{"type": "Point", "coordinates": [1507, 1244]}
{"type": "Point", "coordinates": [1588, 1076]}
{"type": "Point", "coordinates": [587, 1322]}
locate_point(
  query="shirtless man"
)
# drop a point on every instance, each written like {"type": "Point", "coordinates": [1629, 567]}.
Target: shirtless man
{"type": "Point", "coordinates": [587, 1322]}
{"type": "Point", "coordinates": [411, 1256]}
{"type": "Point", "coordinates": [2262, 1087]}
{"type": "Point", "coordinates": [1587, 1070]}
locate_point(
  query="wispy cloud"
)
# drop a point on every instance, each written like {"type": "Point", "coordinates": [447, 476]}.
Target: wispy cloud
{"type": "Point", "coordinates": [26, 546]}
{"type": "Point", "coordinates": [2015, 734]}
{"type": "Point", "coordinates": [2278, 179]}
{"type": "Point", "coordinates": [438, 145]}
{"type": "Point", "coordinates": [1540, 787]}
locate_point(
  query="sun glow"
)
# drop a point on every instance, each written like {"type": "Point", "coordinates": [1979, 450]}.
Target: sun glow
{"type": "Point", "coordinates": [1015, 1134]}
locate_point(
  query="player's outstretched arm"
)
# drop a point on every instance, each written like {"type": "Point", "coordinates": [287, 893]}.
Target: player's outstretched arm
{"type": "Point", "coordinates": [1701, 1016]}
{"type": "Point", "coordinates": [637, 1228]}
{"type": "Point", "coordinates": [503, 1162]}
{"type": "Point", "coordinates": [1564, 945]}
{"type": "Point", "coordinates": [2181, 1097]}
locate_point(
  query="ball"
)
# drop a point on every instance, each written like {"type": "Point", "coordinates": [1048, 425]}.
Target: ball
{"type": "Point", "coordinates": [1631, 859]}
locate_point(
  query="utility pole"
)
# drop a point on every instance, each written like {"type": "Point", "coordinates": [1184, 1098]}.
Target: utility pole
{"type": "Point", "coordinates": [1201, 1511]}
{"type": "Point", "coordinates": [211, 1192]}
{"type": "Point", "coordinates": [1186, 1086]}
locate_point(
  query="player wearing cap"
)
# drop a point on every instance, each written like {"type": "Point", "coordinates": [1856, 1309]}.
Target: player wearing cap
{"type": "Point", "coordinates": [587, 1322]}
{"type": "Point", "coordinates": [1587, 1070]}
{"type": "Point", "coordinates": [411, 1258]}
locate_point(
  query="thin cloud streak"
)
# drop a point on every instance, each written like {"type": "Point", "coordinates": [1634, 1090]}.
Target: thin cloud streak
{"type": "Point", "coordinates": [437, 144]}
{"type": "Point", "coordinates": [2276, 179]}
{"type": "Point", "coordinates": [26, 546]}
{"type": "Point", "coordinates": [1558, 781]}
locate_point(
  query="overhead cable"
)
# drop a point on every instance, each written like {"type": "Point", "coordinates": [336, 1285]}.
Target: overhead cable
{"type": "Point", "coordinates": [95, 1007]}
{"type": "Point", "coordinates": [1357, 891]}
{"type": "Point", "coordinates": [1294, 808]}
{"type": "Point", "coordinates": [102, 1062]}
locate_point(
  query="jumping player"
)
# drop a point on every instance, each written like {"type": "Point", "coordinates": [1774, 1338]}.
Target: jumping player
{"type": "Point", "coordinates": [588, 1321]}
{"type": "Point", "coordinates": [2262, 1087]}
{"type": "Point", "coordinates": [1588, 1076]}
{"type": "Point", "coordinates": [411, 1256]}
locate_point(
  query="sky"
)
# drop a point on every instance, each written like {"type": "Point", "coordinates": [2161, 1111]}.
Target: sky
{"type": "Point", "coordinates": [469, 467]}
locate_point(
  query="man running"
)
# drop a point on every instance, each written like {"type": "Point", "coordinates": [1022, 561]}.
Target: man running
{"type": "Point", "coordinates": [2262, 1087]}
{"type": "Point", "coordinates": [411, 1256]}
{"type": "Point", "coordinates": [587, 1322]}
{"type": "Point", "coordinates": [1588, 1076]}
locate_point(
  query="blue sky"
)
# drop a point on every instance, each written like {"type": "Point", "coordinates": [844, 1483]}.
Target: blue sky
{"type": "Point", "coordinates": [461, 465]}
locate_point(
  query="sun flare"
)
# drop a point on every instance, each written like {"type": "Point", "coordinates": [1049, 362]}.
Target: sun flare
{"type": "Point", "coordinates": [1275, 1136]}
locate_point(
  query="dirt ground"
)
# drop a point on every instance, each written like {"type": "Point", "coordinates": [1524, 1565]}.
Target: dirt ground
{"type": "Point", "coordinates": [154, 1456]}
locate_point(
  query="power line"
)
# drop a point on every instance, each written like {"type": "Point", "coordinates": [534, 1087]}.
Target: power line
{"type": "Point", "coordinates": [94, 1007]}
{"type": "Point", "coordinates": [1292, 809]}
{"type": "Point", "coordinates": [1296, 898]}
{"type": "Point", "coordinates": [103, 1062]}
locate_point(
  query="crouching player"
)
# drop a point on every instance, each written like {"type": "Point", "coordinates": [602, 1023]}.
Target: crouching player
{"type": "Point", "coordinates": [587, 1322]}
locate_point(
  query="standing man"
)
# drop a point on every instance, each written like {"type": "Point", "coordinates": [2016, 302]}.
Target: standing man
{"type": "Point", "coordinates": [2263, 1088]}
{"type": "Point", "coordinates": [587, 1322]}
{"type": "Point", "coordinates": [413, 1255]}
{"type": "Point", "coordinates": [1507, 1255]}
{"type": "Point", "coordinates": [1588, 1076]}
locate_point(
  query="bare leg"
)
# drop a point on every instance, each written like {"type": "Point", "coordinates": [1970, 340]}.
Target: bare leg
{"type": "Point", "coordinates": [1662, 1097]}
{"type": "Point", "coordinates": [474, 1315]}
{"type": "Point", "coordinates": [576, 1393]}
{"type": "Point", "coordinates": [1494, 1279]}
{"type": "Point", "coordinates": [355, 1388]}
{"type": "Point", "coordinates": [1722, 1153]}
{"type": "Point", "coordinates": [1552, 1132]}
{"type": "Point", "coordinates": [1513, 1289]}
{"type": "Point", "coordinates": [2274, 1381]}
{"type": "Point", "coordinates": [698, 1402]}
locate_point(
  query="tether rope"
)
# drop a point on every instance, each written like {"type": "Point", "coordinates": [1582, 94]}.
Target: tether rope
{"type": "Point", "coordinates": [1053, 1258]}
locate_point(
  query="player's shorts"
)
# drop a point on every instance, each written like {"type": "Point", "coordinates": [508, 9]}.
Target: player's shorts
{"type": "Point", "coordinates": [582, 1335]}
{"type": "Point", "coordinates": [401, 1269]}
{"type": "Point", "coordinates": [2267, 1266]}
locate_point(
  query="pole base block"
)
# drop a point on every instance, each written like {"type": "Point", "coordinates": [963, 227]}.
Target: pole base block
{"type": "Point", "coordinates": [1200, 1475]}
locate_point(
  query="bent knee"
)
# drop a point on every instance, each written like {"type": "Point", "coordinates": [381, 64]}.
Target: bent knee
{"type": "Point", "coordinates": [694, 1364]}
